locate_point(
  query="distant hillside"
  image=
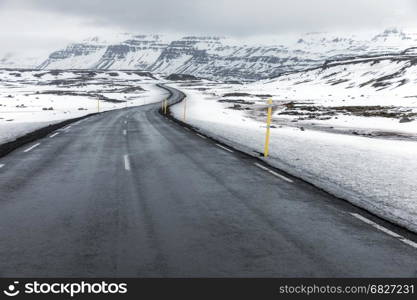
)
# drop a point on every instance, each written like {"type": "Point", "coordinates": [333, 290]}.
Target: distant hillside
{"type": "Point", "coordinates": [215, 57]}
{"type": "Point", "coordinates": [388, 73]}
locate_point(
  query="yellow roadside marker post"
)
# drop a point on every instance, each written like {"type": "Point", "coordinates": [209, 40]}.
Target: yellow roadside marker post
{"type": "Point", "coordinates": [185, 109]}
{"type": "Point", "coordinates": [162, 106]}
{"type": "Point", "coordinates": [165, 107]}
{"type": "Point", "coordinates": [268, 127]}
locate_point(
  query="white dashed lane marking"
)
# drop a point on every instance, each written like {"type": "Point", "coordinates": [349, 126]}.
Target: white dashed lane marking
{"type": "Point", "coordinates": [127, 162]}
{"type": "Point", "coordinates": [78, 122]}
{"type": "Point", "coordinates": [32, 147]}
{"type": "Point", "coordinates": [53, 135]}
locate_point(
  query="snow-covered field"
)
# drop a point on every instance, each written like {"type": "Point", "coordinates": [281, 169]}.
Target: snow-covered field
{"type": "Point", "coordinates": [372, 172]}
{"type": "Point", "coordinates": [30, 100]}
{"type": "Point", "coordinates": [373, 96]}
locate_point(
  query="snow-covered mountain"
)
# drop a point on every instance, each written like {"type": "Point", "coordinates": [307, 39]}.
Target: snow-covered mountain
{"type": "Point", "coordinates": [221, 58]}
{"type": "Point", "coordinates": [20, 60]}
{"type": "Point", "coordinates": [396, 74]}
{"type": "Point", "coordinates": [371, 95]}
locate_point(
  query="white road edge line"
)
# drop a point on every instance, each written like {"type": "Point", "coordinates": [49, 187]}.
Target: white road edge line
{"type": "Point", "coordinates": [79, 122]}
{"type": "Point", "coordinates": [127, 162]}
{"type": "Point", "coordinates": [377, 226]}
{"type": "Point", "coordinates": [124, 132]}
{"type": "Point", "coordinates": [53, 135]}
{"type": "Point", "coordinates": [385, 230]}
{"type": "Point", "coordinates": [1, 166]}
{"type": "Point", "coordinates": [224, 148]}
{"type": "Point", "coordinates": [408, 242]}
{"type": "Point", "coordinates": [202, 136]}
{"type": "Point", "coordinates": [66, 128]}
{"type": "Point", "coordinates": [186, 128]}
{"type": "Point", "coordinates": [274, 173]}
{"type": "Point", "coordinates": [32, 147]}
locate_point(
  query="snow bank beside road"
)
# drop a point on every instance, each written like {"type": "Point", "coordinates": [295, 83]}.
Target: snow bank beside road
{"type": "Point", "coordinates": [23, 122]}
{"type": "Point", "coordinates": [9, 132]}
{"type": "Point", "coordinates": [376, 174]}
{"type": "Point", "coordinates": [30, 100]}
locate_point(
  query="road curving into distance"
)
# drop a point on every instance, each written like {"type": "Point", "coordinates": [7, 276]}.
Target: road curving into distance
{"type": "Point", "coordinates": [130, 193]}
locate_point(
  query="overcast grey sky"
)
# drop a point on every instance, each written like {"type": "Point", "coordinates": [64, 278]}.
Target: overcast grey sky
{"type": "Point", "coordinates": [47, 24]}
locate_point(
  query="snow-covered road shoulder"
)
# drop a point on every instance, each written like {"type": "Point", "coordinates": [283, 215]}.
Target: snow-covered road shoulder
{"type": "Point", "coordinates": [376, 174]}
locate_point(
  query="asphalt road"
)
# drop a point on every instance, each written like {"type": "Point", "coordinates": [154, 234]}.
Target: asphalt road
{"type": "Point", "coordinates": [129, 193]}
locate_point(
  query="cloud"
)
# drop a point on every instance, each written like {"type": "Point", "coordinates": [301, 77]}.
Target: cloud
{"type": "Point", "coordinates": [235, 17]}
{"type": "Point", "coordinates": [64, 20]}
